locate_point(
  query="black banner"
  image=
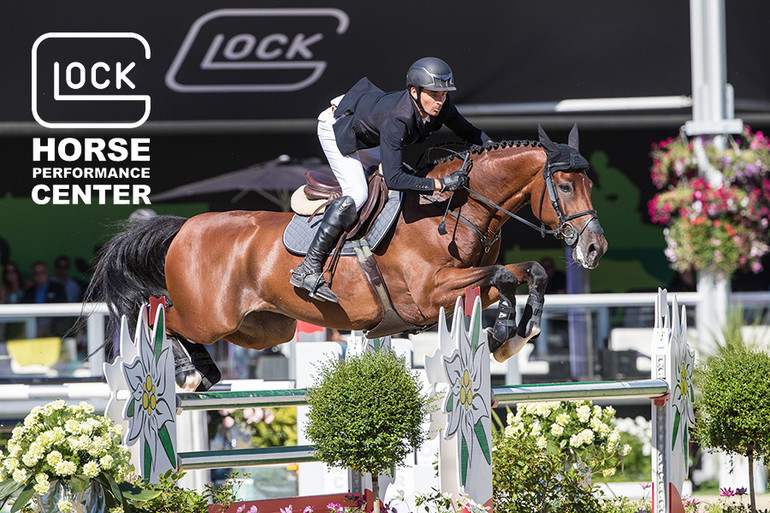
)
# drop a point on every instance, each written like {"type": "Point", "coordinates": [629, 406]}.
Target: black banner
{"type": "Point", "coordinates": [128, 62]}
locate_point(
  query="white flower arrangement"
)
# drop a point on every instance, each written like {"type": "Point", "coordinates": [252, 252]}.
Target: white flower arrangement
{"type": "Point", "coordinates": [60, 442]}
{"type": "Point", "coordinates": [583, 433]}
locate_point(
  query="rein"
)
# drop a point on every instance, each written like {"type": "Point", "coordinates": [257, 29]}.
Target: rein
{"type": "Point", "coordinates": [563, 231]}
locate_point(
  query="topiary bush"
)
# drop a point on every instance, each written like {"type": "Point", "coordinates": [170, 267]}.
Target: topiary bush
{"type": "Point", "coordinates": [366, 412]}
{"type": "Point", "coordinates": [734, 405]}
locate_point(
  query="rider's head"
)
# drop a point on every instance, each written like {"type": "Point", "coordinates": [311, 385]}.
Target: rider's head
{"type": "Point", "coordinates": [428, 81]}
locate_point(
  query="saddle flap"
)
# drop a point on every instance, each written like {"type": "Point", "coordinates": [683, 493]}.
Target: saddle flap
{"type": "Point", "coordinates": [320, 183]}
{"type": "Point", "coordinates": [315, 194]}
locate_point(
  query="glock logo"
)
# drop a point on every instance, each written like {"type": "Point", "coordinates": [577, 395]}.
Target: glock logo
{"type": "Point", "coordinates": [255, 50]}
{"type": "Point", "coordinates": [89, 80]}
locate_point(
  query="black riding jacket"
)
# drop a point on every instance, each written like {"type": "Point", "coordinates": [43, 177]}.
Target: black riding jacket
{"type": "Point", "coordinates": [368, 117]}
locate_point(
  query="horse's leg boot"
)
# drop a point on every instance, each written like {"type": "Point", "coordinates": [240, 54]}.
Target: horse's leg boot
{"type": "Point", "coordinates": [529, 328]}
{"type": "Point", "coordinates": [505, 324]}
{"type": "Point", "coordinates": [339, 216]}
{"type": "Point", "coordinates": [194, 367]}
{"type": "Point", "coordinates": [186, 375]}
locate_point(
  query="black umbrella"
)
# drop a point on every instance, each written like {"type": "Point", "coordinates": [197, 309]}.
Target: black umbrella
{"type": "Point", "coordinates": [275, 180]}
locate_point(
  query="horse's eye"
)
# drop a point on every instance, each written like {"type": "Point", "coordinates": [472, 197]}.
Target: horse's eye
{"type": "Point", "coordinates": [565, 187]}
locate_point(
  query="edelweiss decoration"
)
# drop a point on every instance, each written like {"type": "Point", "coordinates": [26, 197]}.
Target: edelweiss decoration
{"type": "Point", "coordinates": [673, 361]}
{"type": "Point", "coordinates": [144, 369]}
{"type": "Point", "coordinates": [359, 344]}
{"type": "Point", "coordinates": [459, 374]}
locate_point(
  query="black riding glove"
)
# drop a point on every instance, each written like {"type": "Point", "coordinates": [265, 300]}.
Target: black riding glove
{"type": "Point", "coordinates": [454, 181]}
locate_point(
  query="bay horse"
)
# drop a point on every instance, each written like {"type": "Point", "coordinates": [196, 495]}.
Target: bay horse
{"type": "Point", "coordinates": [227, 273]}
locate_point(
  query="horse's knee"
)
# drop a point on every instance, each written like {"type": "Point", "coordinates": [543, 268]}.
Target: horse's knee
{"type": "Point", "coordinates": [504, 280]}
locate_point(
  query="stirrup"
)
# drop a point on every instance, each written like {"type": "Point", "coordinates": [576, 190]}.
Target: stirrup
{"type": "Point", "coordinates": [315, 284]}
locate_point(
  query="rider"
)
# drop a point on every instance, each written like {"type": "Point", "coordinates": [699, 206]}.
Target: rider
{"type": "Point", "coordinates": [366, 127]}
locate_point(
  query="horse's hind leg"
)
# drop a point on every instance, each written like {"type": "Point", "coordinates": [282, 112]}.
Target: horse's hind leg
{"type": "Point", "coordinates": [505, 342]}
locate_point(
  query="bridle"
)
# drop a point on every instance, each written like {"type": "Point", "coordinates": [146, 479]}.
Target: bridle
{"type": "Point", "coordinates": [565, 230]}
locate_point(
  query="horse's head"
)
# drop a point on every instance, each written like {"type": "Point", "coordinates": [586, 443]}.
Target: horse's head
{"type": "Point", "coordinates": [569, 211]}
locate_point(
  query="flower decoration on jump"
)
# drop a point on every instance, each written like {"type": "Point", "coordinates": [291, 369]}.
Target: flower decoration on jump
{"type": "Point", "coordinates": [583, 433]}
{"type": "Point", "coordinates": [459, 372]}
{"type": "Point", "coordinates": [58, 444]}
{"type": "Point", "coordinates": [683, 395]}
{"type": "Point", "coordinates": [465, 404]}
{"type": "Point", "coordinates": [713, 228]}
{"type": "Point", "coordinates": [147, 372]}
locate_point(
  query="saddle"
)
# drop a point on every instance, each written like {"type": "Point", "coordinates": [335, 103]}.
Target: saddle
{"type": "Point", "coordinates": [376, 218]}
{"type": "Point", "coordinates": [319, 191]}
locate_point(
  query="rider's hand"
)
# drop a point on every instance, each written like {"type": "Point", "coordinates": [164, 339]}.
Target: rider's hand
{"type": "Point", "coordinates": [454, 181]}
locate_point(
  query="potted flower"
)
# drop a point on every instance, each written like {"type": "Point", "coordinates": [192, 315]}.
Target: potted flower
{"type": "Point", "coordinates": [68, 460]}
{"type": "Point", "coordinates": [713, 228]}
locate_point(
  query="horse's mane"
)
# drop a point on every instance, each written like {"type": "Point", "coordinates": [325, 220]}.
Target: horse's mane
{"type": "Point", "coordinates": [478, 149]}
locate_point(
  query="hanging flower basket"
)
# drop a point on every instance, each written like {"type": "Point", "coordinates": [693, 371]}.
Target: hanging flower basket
{"type": "Point", "coordinates": [717, 229]}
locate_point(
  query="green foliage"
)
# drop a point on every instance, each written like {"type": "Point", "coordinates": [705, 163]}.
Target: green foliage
{"type": "Point", "coordinates": [526, 478]}
{"type": "Point", "coordinates": [734, 402]}
{"type": "Point", "coordinates": [171, 498]}
{"type": "Point", "coordinates": [366, 412]}
{"type": "Point", "coordinates": [637, 434]}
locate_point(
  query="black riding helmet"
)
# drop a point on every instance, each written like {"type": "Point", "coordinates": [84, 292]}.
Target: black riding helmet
{"type": "Point", "coordinates": [430, 73]}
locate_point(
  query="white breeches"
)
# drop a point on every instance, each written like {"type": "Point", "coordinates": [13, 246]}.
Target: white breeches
{"type": "Point", "coordinates": [349, 170]}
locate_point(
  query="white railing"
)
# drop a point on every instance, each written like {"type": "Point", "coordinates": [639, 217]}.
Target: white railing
{"type": "Point", "coordinates": [555, 304]}
{"type": "Point", "coordinates": [94, 322]}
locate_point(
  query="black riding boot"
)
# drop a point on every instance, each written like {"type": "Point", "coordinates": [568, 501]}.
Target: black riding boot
{"type": "Point", "coordinates": [339, 216]}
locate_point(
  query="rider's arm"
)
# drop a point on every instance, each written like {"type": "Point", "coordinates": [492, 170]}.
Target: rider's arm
{"type": "Point", "coordinates": [463, 128]}
{"type": "Point", "coordinates": [392, 134]}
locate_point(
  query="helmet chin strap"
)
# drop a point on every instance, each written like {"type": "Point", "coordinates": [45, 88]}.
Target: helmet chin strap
{"type": "Point", "coordinates": [418, 102]}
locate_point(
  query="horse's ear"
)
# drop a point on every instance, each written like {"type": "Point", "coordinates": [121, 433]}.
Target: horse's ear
{"type": "Point", "coordinates": [573, 140]}
{"type": "Point", "coordinates": [546, 141]}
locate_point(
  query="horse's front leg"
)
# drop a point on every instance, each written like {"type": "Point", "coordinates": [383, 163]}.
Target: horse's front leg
{"type": "Point", "coordinates": [506, 338]}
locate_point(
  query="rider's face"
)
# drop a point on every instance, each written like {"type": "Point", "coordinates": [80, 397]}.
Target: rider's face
{"type": "Point", "coordinates": [432, 101]}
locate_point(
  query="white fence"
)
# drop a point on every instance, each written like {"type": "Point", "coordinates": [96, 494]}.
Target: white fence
{"type": "Point", "coordinates": [596, 306]}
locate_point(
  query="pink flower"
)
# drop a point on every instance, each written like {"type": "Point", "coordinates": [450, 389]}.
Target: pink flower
{"type": "Point", "coordinates": [228, 422]}
{"type": "Point", "coordinates": [287, 509]}
{"type": "Point", "coordinates": [726, 492]}
{"type": "Point", "coordinates": [240, 508]}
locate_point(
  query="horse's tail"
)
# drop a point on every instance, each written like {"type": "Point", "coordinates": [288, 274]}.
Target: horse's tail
{"type": "Point", "coordinates": [131, 267]}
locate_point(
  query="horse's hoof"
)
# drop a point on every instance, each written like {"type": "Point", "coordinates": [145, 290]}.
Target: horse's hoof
{"type": "Point", "coordinates": [516, 343]}
{"type": "Point", "coordinates": [195, 371]}
{"type": "Point", "coordinates": [189, 382]}
{"type": "Point", "coordinates": [492, 343]}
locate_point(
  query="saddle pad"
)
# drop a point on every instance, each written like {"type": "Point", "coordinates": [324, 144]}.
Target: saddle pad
{"type": "Point", "coordinates": [299, 233]}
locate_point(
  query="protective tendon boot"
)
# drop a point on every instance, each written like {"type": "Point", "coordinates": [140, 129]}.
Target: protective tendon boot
{"type": "Point", "coordinates": [339, 216]}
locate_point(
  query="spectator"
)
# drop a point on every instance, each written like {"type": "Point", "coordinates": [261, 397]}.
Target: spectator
{"type": "Point", "coordinates": [71, 287]}
{"type": "Point", "coordinates": [46, 291]}
{"type": "Point", "coordinates": [43, 290]}
{"type": "Point", "coordinates": [11, 292]}
{"type": "Point", "coordinates": [557, 279]}
{"type": "Point", "coordinates": [11, 288]}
